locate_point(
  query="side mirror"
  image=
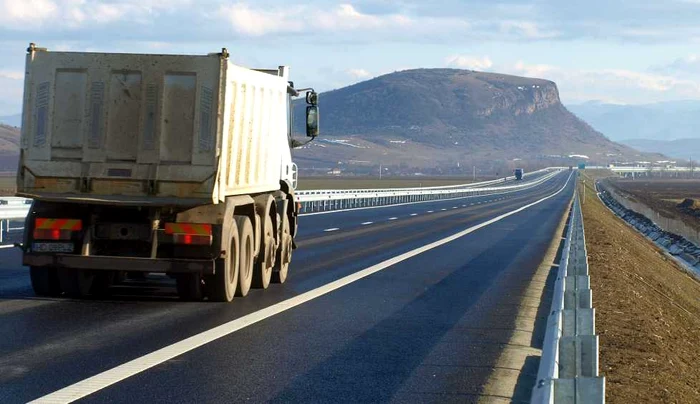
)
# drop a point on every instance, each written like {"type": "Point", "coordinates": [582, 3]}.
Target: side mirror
{"type": "Point", "coordinates": [312, 119]}
{"type": "Point", "coordinates": [312, 98]}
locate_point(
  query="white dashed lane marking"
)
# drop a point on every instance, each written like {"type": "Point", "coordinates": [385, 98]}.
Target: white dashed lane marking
{"type": "Point", "coordinates": [332, 229]}
{"type": "Point", "coordinates": [366, 223]}
{"type": "Point", "coordinates": [414, 214]}
{"type": "Point", "coordinates": [393, 218]}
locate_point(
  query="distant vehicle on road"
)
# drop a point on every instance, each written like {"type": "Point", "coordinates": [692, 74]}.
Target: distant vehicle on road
{"type": "Point", "coordinates": [519, 172]}
{"type": "Point", "coordinates": [143, 163]}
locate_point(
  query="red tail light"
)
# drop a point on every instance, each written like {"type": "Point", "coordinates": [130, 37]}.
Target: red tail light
{"type": "Point", "coordinates": [56, 229]}
{"type": "Point", "coordinates": [52, 234]}
{"type": "Point", "coordinates": [190, 239]}
{"type": "Point", "coordinates": [190, 233]}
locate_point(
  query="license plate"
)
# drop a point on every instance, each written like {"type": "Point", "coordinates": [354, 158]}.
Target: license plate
{"type": "Point", "coordinates": [53, 247]}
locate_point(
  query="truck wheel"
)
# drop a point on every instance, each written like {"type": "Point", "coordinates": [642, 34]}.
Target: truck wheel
{"type": "Point", "coordinates": [44, 281]}
{"type": "Point", "coordinates": [189, 286]}
{"type": "Point", "coordinates": [284, 253]}
{"type": "Point", "coordinates": [266, 259]}
{"type": "Point", "coordinates": [247, 250]}
{"type": "Point", "coordinates": [221, 287]}
{"type": "Point", "coordinates": [75, 282]}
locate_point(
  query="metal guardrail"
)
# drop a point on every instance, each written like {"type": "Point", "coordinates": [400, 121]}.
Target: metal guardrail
{"type": "Point", "coordinates": [325, 200]}
{"type": "Point", "coordinates": [568, 370]}
{"type": "Point", "coordinates": [674, 236]}
{"type": "Point", "coordinates": [312, 193]}
{"type": "Point", "coordinates": [328, 200]}
{"type": "Point", "coordinates": [11, 209]}
{"type": "Point", "coordinates": [627, 169]}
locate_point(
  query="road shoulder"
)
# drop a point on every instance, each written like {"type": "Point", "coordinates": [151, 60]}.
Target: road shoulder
{"type": "Point", "coordinates": [515, 373]}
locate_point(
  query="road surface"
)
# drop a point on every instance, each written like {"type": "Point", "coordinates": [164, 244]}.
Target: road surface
{"type": "Point", "coordinates": [409, 303]}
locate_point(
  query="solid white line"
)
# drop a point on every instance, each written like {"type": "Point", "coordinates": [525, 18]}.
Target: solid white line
{"type": "Point", "coordinates": [332, 229]}
{"type": "Point", "coordinates": [109, 377]}
{"type": "Point", "coordinates": [366, 223]}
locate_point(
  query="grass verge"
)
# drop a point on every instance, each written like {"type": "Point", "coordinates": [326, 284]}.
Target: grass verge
{"type": "Point", "coordinates": [647, 311]}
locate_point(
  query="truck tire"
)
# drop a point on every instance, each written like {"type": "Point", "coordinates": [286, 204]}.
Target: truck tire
{"type": "Point", "coordinates": [262, 272]}
{"type": "Point", "coordinates": [221, 287]}
{"type": "Point", "coordinates": [75, 282]}
{"type": "Point", "coordinates": [284, 253]}
{"type": "Point", "coordinates": [45, 281]}
{"type": "Point", "coordinates": [247, 252]}
{"type": "Point", "coordinates": [189, 286]}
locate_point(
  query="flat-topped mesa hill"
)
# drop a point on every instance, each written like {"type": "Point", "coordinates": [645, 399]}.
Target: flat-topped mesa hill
{"type": "Point", "coordinates": [447, 113]}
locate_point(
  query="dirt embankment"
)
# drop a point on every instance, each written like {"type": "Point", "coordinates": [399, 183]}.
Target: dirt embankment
{"type": "Point", "coordinates": [676, 198]}
{"type": "Point", "coordinates": [647, 313]}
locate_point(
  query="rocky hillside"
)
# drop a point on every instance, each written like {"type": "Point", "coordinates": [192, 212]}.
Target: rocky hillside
{"type": "Point", "coordinates": [440, 117]}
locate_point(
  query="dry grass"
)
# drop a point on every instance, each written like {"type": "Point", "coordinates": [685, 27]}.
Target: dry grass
{"type": "Point", "coordinates": [648, 312]}
{"type": "Point", "coordinates": [664, 195]}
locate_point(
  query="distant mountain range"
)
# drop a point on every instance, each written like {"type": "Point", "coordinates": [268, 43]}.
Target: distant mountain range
{"type": "Point", "coordinates": [678, 149]}
{"type": "Point", "coordinates": [427, 118]}
{"type": "Point", "coordinates": [661, 121]}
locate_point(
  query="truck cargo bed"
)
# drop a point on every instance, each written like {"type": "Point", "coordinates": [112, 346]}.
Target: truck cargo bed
{"type": "Point", "coordinates": [150, 129]}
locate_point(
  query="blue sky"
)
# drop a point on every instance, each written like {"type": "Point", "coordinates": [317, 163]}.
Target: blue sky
{"type": "Point", "coordinates": [620, 51]}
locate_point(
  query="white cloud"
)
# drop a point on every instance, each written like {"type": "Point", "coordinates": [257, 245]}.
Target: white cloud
{"type": "Point", "coordinates": [250, 21]}
{"type": "Point", "coordinates": [12, 74]}
{"type": "Point", "coordinates": [346, 17]}
{"type": "Point", "coordinates": [646, 81]}
{"type": "Point", "coordinates": [527, 30]}
{"type": "Point", "coordinates": [625, 86]}
{"type": "Point", "coordinates": [19, 12]}
{"type": "Point", "coordinates": [28, 14]}
{"type": "Point", "coordinates": [687, 66]}
{"type": "Point", "coordinates": [469, 62]}
{"type": "Point", "coordinates": [535, 71]}
{"type": "Point", "coordinates": [359, 74]}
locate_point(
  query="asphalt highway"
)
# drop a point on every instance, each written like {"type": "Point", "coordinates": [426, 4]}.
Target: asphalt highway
{"type": "Point", "coordinates": [410, 303]}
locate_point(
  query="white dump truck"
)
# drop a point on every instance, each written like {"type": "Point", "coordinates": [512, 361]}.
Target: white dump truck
{"type": "Point", "coordinates": [174, 164]}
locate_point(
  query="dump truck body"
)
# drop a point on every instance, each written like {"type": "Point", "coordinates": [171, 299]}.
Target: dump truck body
{"type": "Point", "coordinates": [157, 163]}
{"type": "Point", "coordinates": [151, 129]}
